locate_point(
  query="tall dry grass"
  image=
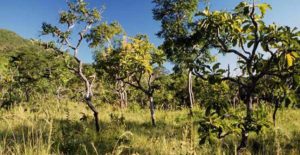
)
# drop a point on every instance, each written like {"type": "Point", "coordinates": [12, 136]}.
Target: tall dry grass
{"type": "Point", "coordinates": [52, 127]}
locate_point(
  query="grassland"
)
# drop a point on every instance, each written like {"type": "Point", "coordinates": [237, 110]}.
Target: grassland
{"type": "Point", "coordinates": [63, 127]}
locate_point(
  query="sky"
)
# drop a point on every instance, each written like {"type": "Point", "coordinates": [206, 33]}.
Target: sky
{"type": "Point", "coordinates": [25, 17]}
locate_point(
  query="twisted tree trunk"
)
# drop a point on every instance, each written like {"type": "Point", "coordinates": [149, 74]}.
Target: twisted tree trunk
{"type": "Point", "coordinates": [91, 106]}
{"type": "Point", "coordinates": [89, 93]}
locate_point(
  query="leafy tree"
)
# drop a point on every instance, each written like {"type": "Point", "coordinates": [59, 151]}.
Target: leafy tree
{"type": "Point", "coordinates": [262, 50]}
{"type": "Point", "coordinates": [4, 78]}
{"type": "Point", "coordinates": [33, 71]}
{"type": "Point", "coordinates": [59, 67]}
{"type": "Point", "coordinates": [9, 43]}
{"type": "Point", "coordinates": [134, 61]}
{"type": "Point", "coordinates": [29, 71]}
{"type": "Point", "coordinates": [86, 22]}
{"type": "Point", "coordinates": [105, 64]}
{"type": "Point", "coordinates": [177, 18]}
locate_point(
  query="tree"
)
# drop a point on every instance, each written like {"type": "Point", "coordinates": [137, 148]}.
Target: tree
{"type": "Point", "coordinates": [177, 17]}
{"type": "Point", "coordinates": [135, 62]}
{"type": "Point", "coordinates": [105, 64]}
{"type": "Point", "coordinates": [32, 71]}
{"type": "Point", "coordinates": [262, 51]}
{"type": "Point", "coordinates": [87, 24]}
{"type": "Point", "coordinates": [4, 78]}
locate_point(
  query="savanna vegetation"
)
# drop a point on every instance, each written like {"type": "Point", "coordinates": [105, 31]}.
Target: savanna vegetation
{"type": "Point", "coordinates": [127, 102]}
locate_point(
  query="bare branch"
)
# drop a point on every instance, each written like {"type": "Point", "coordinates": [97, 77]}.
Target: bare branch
{"type": "Point", "coordinates": [243, 48]}
{"type": "Point", "coordinates": [227, 50]}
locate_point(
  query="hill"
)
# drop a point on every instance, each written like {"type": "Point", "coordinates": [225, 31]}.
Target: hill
{"type": "Point", "coordinates": [10, 40]}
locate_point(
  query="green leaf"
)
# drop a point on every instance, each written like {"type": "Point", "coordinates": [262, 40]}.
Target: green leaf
{"type": "Point", "coordinates": [246, 10]}
{"type": "Point", "coordinates": [246, 27]}
{"type": "Point", "coordinates": [250, 43]}
{"type": "Point", "coordinates": [216, 66]}
{"type": "Point", "coordinates": [263, 8]}
{"type": "Point", "coordinates": [221, 71]}
{"type": "Point", "coordinates": [234, 42]}
{"type": "Point", "coordinates": [206, 11]}
{"type": "Point", "coordinates": [290, 58]}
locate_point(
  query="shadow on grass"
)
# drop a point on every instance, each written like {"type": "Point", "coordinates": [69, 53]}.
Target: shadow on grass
{"type": "Point", "coordinates": [78, 137]}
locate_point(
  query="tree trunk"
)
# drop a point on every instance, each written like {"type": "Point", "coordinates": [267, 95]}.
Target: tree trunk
{"type": "Point", "coordinates": [248, 119]}
{"type": "Point", "coordinates": [191, 94]}
{"type": "Point", "coordinates": [125, 98]}
{"type": "Point", "coordinates": [244, 141]}
{"type": "Point", "coordinates": [27, 95]}
{"type": "Point", "coordinates": [89, 93]}
{"type": "Point", "coordinates": [152, 110]}
{"type": "Point", "coordinates": [275, 111]}
{"type": "Point", "coordinates": [91, 106]}
{"type": "Point", "coordinates": [121, 99]}
{"type": "Point", "coordinates": [249, 102]}
{"type": "Point", "coordinates": [121, 90]}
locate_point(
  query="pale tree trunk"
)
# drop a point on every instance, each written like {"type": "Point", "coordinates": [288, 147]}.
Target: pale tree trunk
{"type": "Point", "coordinates": [235, 99]}
{"type": "Point", "coordinates": [152, 110]}
{"type": "Point", "coordinates": [79, 71]}
{"type": "Point", "coordinates": [124, 94]}
{"type": "Point", "coordinates": [89, 94]}
{"type": "Point", "coordinates": [122, 100]}
{"type": "Point", "coordinates": [125, 98]}
{"type": "Point", "coordinates": [191, 94]}
{"type": "Point", "coordinates": [121, 90]}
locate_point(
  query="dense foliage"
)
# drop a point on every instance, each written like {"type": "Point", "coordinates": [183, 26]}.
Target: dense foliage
{"type": "Point", "coordinates": [128, 73]}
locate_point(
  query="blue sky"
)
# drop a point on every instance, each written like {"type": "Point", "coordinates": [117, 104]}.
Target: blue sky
{"type": "Point", "coordinates": [26, 16]}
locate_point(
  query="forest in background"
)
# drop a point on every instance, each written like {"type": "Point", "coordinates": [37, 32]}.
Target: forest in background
{"type": "Point", "coordinates": [127, 102]}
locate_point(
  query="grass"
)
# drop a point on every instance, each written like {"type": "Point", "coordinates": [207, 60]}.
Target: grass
{"type": "Point", "coordinates": [52, 127]}
{"type": "Point", "coordinates": [10, 40]}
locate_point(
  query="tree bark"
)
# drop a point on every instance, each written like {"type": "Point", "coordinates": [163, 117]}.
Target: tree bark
{"type": "Point", "coordinates": [249, 108]}
{"type": "Point", "coordinates": [91, 106]}
{"type": "Point", "coordinates": [27, 95]}
{"type": "Point", "coordinates": [275, 111]}
{"type": "Point", "coordinates": [121, 100]}
{"type": "Point", "coordinates": [244, 141]}
{"type": "Point", "coordinates": [121, 90]}
{"type": "Point", "coordinates": [152, 110]}
{"type": "Point", "coordinates": [191, 94]}
{"type": "Point", "coordinates": [125, 98]}
{"type": "Point", "coordinates": [89, 93]}
{"type": "Point", "coordinates": [248, 119]}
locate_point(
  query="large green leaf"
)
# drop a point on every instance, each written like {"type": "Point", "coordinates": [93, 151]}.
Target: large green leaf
{"type": "Point", "coordinates": [263, 8]}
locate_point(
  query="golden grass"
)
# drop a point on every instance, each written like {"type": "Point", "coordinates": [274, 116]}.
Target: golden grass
{"type": "Point", "coordinates": [52, 127]}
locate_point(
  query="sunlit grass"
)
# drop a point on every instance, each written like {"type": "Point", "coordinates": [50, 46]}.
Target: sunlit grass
{"type": "Point", "coordinates": [52, 127]}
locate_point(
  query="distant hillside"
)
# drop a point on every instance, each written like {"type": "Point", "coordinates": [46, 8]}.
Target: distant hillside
{"type": "Point", "coordinates": [10, 40]}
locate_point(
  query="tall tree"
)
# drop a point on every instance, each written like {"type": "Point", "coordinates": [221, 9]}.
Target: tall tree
{"type": "Point", "coordinates": [262, 51]}
{"type": "Point", "coordinates": [177, 17]}
{"type": "Point", "coordinates": [86, 22]}
{"type": "Point", "coordinates": [135, 62]}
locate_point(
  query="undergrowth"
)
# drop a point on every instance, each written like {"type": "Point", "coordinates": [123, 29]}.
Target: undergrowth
{"type": "Point", "coordinates": [64, 127]}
